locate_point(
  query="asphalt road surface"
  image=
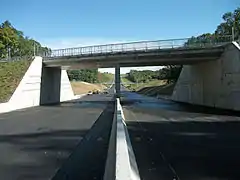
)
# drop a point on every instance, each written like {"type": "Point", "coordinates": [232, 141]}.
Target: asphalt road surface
{"type": "Point", "coordinates": [68, 141]}
{"type": "Point", "coordinates": [173, 141]}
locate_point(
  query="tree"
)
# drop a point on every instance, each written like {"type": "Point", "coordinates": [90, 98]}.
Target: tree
{"type": "Point", "coordinates": [87, 75]}
{"type": "Point", "coordinates": [14, 43]}
{"type": "Point", "coordinates": [231, 20]}
{"type": "Point", "coordinates": [223, 32]}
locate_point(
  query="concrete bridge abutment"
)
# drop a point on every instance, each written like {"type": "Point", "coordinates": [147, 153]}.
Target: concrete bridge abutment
{"type": "Point", "coordinates": [40, 86]}
{"type": "Point", "coordinates": [212, 83]}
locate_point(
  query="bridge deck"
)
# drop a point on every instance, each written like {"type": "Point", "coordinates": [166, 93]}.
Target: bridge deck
{"type": "Point", "coordinates": [180, 55]}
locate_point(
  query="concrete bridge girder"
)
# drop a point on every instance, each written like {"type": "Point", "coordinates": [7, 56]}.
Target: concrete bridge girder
{"type": "Point", "coordinates": [156, 58]}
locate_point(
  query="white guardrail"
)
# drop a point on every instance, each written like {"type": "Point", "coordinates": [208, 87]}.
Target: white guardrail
{"type": "Point", "coordinates": [121, 163]}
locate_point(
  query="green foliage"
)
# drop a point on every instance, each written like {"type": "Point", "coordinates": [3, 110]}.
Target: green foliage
{"type": "Point", "coordinates": [170, 73]}
{"type": "Point", "coordinates": [105, 77]}
{"type": "Point", "coordinates": [231, 20]}
{"type": "Point", "coordinates": [14, 43]}
{"type": "Point", "coordinates": [89, 75]}
{"type": "Point", "coordinates": [11, 74]}
{"type": "Point", "coordinates": [223, 33]}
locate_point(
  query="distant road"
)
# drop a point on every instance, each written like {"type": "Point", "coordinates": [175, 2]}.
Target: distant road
{"type": "Point", "coordinates": [175, 141]}
{"type": "Point", "coordinates": [36, 142]}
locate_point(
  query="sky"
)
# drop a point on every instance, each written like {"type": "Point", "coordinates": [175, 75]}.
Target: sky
{"type": "Point", "coordinates": [74, 23]}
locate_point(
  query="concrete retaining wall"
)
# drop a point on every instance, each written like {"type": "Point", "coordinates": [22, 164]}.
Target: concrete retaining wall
{"type": "Point", "coordinates": [66, 88]}
{"type": "Point", "coordinates": [213, 83]}
{"type": "Point", "coordinates": [39, 85]}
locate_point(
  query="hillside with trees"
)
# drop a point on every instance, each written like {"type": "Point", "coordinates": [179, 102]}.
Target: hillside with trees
{"type": "Point", "coordinates": [89, 75]}
{"type": "Point", "coordinates": [13, 43]}
{"type": "Point", "coordinates": [169, 73]}
{"type": "Point", "coordinates": [229, 29]}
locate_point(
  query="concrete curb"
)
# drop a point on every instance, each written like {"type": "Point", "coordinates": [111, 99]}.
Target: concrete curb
{"type": "Point", "coordinates": [124, 166]}
{"type": "Point", "coordinates": [236, 44]}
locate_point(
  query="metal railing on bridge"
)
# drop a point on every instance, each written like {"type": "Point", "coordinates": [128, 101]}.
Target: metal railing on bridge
{"type": "Point", "coordinates": [140, 46]}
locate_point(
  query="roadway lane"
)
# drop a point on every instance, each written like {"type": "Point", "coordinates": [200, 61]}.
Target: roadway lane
{"type": "Point", "coordinates": [176, 141]}
{"type": "Point", "coordinates": [36, 142]}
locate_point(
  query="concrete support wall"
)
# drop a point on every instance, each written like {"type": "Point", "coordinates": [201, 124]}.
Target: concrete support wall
{"type": "Point", "coordinates": [40, 85]}
{"type": "Point", "coordinates": [27, 94]}
{"type": "Point", "coordinates": [66, 88]}
{"type": "Point", "coordinates": [213, 83]}
{"type": "Point", "coordinates": [117, 80]}
{"type": "Point", "coordinates": [50, 86]}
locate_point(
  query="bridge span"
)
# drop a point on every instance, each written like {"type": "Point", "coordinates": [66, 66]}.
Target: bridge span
{"type": "Point", "coordinates": [143, 53]}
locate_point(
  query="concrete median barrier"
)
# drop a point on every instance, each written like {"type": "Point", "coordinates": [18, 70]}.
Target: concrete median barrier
{"type": "Point", "coordinates": [121, 162]}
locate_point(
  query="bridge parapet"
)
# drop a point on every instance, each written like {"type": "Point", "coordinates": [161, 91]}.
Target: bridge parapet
{"type": "Point", "coordinates": [141, 46]}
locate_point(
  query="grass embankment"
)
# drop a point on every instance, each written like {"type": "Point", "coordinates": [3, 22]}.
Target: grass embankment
{"type": "Point", "coordinates": [11, 74]}
{"type": "Point", "coordinates": [151, 88]}
{"type": "Point", "coordinates": [139, 86]}
{"type": "Point", "coordinates": [80, 87]}
{"type": "Point", "coordinates": [165, 90]}
{"type": "Point", "coordinates": [105, 77]}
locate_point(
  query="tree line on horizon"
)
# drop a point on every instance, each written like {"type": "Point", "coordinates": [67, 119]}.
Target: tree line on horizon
{"type": "Point", "coordinates": [14, 43]}
{"type": "Point", "coordinates": [228, 30]}
{"type": "Point", "coordinates": [169, 73]}
{"type": "Point", "coordinates": [89, 75]}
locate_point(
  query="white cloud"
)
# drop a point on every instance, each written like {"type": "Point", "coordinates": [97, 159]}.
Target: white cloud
{"type": "Point", "coordinates": [80, 42]}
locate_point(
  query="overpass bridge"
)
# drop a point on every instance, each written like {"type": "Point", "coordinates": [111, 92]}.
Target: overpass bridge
{"type": "Point", "coordinates": [210, 74]}
{"type": "Point", "coordinates": [143, 53]}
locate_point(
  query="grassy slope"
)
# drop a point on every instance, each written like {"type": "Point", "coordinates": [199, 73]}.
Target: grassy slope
{"type": "Point", "coordinates": [158, 90]}
{"type": "Point", "coordinates": [105, 77]}
{"type": "Point", "coordinates": [83, 87]}
{"type": "Point", "coordinates": [151, 88]}
{"type": "Point", "coordinates": [140, 86]}
{"type": "Point", "coordinates": [11, 74]}
{"type": "Point", "coordinates": [80, 87]}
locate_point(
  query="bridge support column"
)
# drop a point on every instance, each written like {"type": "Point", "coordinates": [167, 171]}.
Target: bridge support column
{"type": "Point", "coordinates": [117, 80]}
{"type": "Point", "coordinates": [50, 86]}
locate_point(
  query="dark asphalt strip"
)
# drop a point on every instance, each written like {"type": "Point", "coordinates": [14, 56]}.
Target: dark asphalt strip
{"type": "Point", "coordinates": [151, 161]}
{"type": "Point", "coordinates": [190, 150]}
{"type": "Point", "coordinates": [87, 162]}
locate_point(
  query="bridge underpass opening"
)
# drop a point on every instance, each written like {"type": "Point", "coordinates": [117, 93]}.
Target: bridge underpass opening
{"type": "Point", "coordinates": [50, 91]}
